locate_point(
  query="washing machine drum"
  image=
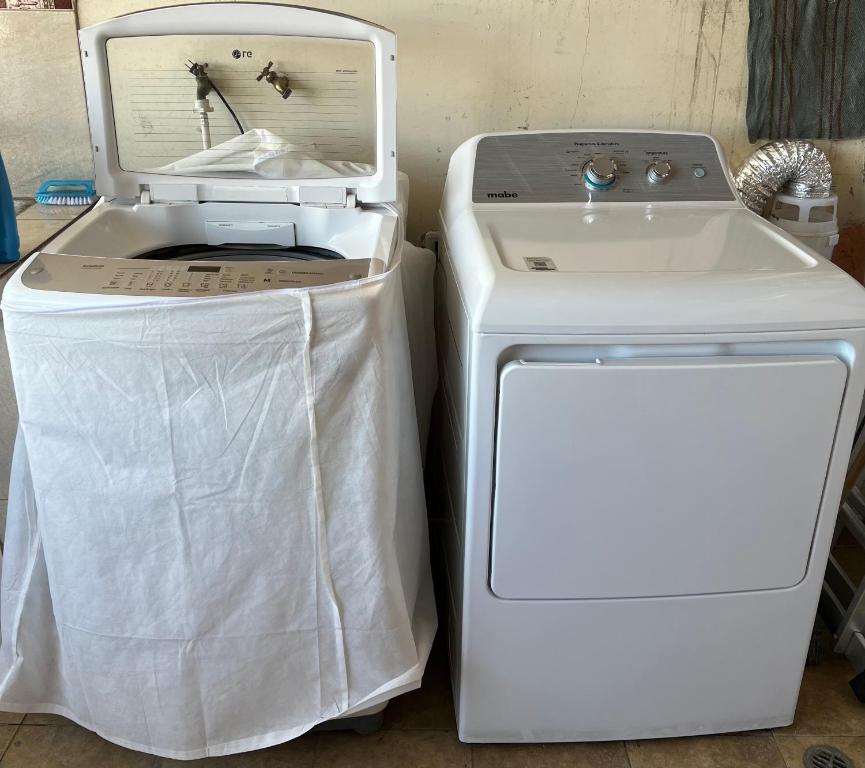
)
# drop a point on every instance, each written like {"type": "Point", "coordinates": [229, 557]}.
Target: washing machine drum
{"type": "Point", "coordinates": [240, 252]}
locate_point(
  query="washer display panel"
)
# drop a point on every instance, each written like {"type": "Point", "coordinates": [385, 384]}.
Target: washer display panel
{"type": "Point", "coordinates": [148, 277]}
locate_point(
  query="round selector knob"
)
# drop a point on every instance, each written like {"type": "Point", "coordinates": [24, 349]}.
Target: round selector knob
{"type": "Point", "coordinates": [659, 171]}
{"type": "Point", "coordinates": [600, 172]}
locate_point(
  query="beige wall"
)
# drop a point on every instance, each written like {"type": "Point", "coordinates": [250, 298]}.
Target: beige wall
{"type": "Point", "coordinates": [43, 123]}
{"type": "Point", "coordinates": [467, 66]}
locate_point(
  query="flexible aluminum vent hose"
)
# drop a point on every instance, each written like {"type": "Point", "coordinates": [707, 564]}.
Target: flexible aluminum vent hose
{"type": "Point", "coordinates": [797, 167]}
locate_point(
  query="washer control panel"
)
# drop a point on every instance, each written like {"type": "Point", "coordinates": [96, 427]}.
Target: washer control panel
{"type": "Point", "coordinates": [146, 277]}
{"type": "Point", "coordinates": [585, 166]}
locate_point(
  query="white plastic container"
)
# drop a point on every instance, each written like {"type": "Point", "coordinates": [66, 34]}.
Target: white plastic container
{"type": "Point", "coordinates": [812, 220]}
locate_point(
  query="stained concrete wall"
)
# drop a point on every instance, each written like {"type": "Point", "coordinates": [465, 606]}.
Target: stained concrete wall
{"type": "Point", "coordinates": [465, 66]}
{"type": "Point", "coordinates": [43, 121]}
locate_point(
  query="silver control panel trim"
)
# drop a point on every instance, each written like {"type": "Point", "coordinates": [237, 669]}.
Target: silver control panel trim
{"type": "Point", "coordinates": [550, 168]}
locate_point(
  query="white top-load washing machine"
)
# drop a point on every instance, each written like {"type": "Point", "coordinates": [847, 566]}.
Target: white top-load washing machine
{"type": "Point", "coordinates": [649, 397]}
{"type": "Point", "coordinates": [216, 534]}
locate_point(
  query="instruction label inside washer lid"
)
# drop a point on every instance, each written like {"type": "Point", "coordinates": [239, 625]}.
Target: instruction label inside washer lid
{"type": "Point", "coordinates": [150, 277]}
{"type": "Point", "coordinates": [242, 102]}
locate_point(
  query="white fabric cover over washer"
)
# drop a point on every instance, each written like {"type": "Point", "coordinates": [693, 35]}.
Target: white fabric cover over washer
{"type": "Point", "coordinates": [217, 532]}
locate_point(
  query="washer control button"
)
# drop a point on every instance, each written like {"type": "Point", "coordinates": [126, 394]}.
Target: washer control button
{"type": "Point", "coordinates": [659, 172]}
{"type": "Point", "coordinates": [600, 172]}
{"type": "Point", "coordinates": [699, 172]}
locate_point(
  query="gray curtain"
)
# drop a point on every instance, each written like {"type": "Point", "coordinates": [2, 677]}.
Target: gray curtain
{"type": "Point", "coordinates": [806, 69]}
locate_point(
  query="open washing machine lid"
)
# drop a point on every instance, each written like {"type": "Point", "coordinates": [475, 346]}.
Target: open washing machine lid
{"type": "Point", "coordinates": [242, 102]}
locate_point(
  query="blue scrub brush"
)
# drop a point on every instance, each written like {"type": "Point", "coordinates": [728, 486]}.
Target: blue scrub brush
{"type": "Point", "coordinates": [55, 192]}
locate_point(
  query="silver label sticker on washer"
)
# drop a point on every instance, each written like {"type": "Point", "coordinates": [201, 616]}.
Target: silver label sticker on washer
{"type": "Point", "coordinates": [548, 168]}
{"type": "Point", "coordinates": [540, 264]}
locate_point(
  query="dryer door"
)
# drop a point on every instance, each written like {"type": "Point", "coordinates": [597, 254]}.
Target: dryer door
{"type": "Point", "coordinates": [660, 477]}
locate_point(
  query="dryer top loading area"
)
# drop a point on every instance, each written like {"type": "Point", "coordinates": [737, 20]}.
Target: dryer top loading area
{"type": "Point", "coordinates": [625, 232]}
{"type": "Point", "coordinates": [640, 240]}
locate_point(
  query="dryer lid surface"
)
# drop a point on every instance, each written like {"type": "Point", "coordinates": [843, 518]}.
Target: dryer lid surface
{"type": "Point", "coordinates": [242, 102]}
{"type": "Point", "coordinates": [632, 240]}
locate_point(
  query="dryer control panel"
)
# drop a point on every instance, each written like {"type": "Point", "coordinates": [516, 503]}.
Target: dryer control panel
{"type": "Point", "coordinates": [146, 277]}
{"type": "Point", "coordinates": [588, 166]}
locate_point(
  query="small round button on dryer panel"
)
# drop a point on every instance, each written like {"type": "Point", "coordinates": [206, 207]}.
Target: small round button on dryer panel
{"type": "Point", "coordinates": [699, 172]}
{"type": "Point", "coordinates": [600, 172]}
{"type": "Point", "coordinates": [659, 171]}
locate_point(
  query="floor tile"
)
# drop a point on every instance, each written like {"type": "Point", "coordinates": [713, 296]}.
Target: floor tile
{"type": "Point", "coordinates": [600, 755]}
{"type": "Point", "coordinates": [728, 751]}
{"type": "Point", "coordinates": [793, 748]}
{"type": "Point", "coordinates": [827, 706]}
{"type": "Point", "coordinates": [299, 753]}
{"type": "Point", "coordinates": [37, 718]}
{"type": "Point", "coordinates": [7, 733]}
{"type": "Point", "coordinates": [393, 749]}
{"type": "Point", "coordinates": [431, 706]}
{"type": "Point", "coordinates": [11, 718]}
{"type": "Point", "coordinates": [51, 746]}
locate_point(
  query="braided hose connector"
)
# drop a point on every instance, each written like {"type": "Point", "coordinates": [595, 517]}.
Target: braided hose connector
{"type": "Point", "coordinates": [797, 167]}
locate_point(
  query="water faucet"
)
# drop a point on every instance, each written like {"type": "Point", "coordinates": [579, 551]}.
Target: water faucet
{"type": "Point", "coordinates": [279, 82]}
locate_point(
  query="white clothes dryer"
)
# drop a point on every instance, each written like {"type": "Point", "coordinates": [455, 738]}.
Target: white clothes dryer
{"type": "Point", "coordinates": [648, 400]}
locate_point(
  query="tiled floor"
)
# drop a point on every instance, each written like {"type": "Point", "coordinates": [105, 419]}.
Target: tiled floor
{"type": "Point", "coordinates": [419, 732]}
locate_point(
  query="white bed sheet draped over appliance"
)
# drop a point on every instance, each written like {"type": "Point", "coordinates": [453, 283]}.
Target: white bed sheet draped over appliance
{"type": "Point", "coordinates": [217, 533]}
{"type": "Point", "coordinates": [260, 152]}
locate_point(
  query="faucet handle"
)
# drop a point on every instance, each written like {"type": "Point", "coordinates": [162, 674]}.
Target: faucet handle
{"type": "Point", "coordinates": [265, 72]}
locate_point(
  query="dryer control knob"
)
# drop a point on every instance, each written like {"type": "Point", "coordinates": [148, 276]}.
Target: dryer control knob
{"type": "Point", "coordinates": [600, 172]}
{"type": "Point", "coordinates": [659, 171]}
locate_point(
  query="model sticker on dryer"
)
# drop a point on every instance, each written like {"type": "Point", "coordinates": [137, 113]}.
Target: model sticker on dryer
{"type": "Point", "coordinates": [540, 264]}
